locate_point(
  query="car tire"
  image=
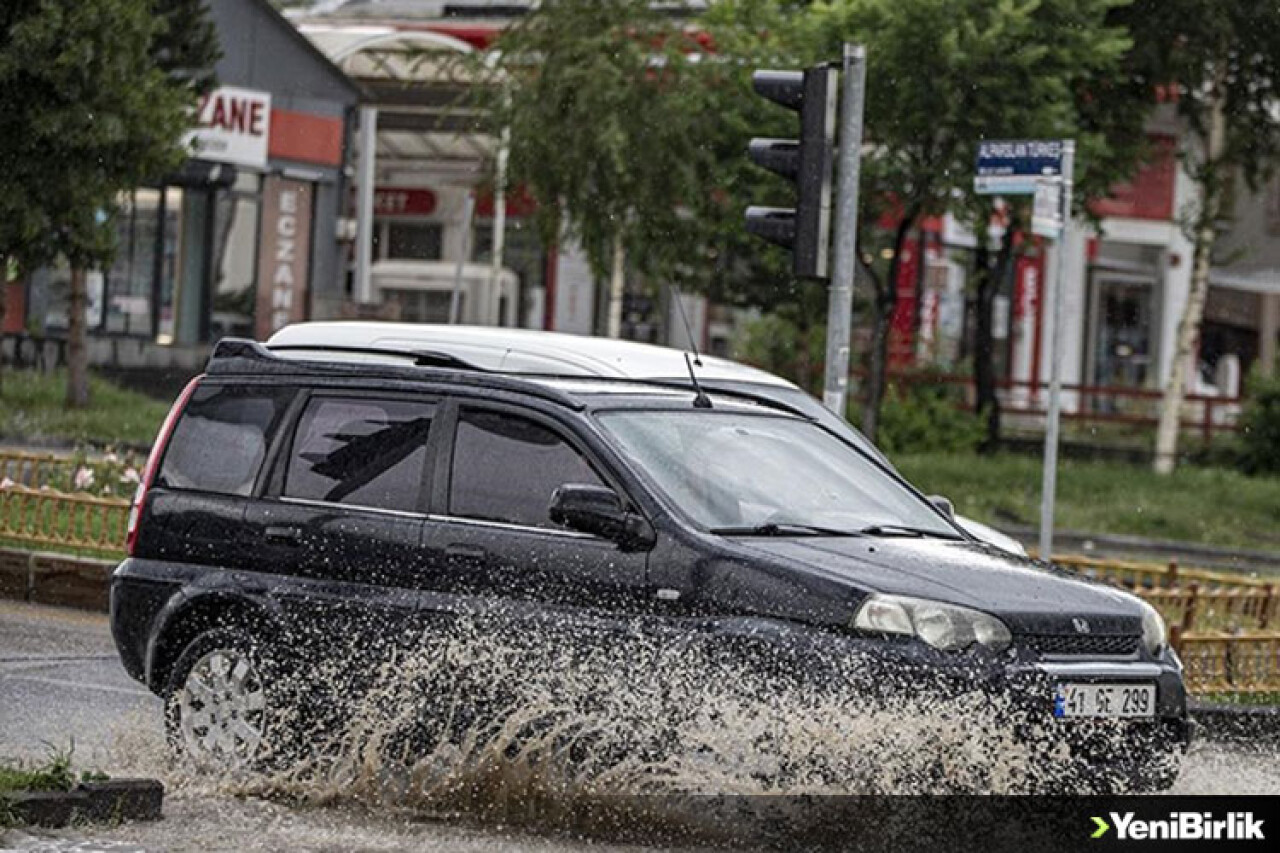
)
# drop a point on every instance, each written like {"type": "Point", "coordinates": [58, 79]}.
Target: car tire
{"type": "Point", "coordinates": [224, 702]}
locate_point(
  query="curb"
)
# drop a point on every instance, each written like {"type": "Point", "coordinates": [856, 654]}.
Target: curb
{"type": "Point", "coordinates": [57, 579]}
{"type": "Point", "coordinates": [1119, 545]}
{"type": "Point", "coordinates": [96, 802]}
{"type": "Point", "coordinates": [1255, 725]}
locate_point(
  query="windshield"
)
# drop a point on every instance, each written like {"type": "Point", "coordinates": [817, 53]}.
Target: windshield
{"type": "Point", "coordinates": [738, 471]}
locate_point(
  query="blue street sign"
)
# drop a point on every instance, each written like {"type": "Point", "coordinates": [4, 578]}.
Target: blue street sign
{"type": "Point", "coordinates": [1012, 166]}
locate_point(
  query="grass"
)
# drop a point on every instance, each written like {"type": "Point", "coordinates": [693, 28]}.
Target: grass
{"type": "Point", "coordinates": [1213, 506]}
{"type": "Point", "coordinates": [31, 409]}
{"type": "Point", "coordinates": [55, 773]}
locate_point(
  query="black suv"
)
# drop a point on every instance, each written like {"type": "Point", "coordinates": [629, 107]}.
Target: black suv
{"type": "Point", "coordinates": [357, 491]}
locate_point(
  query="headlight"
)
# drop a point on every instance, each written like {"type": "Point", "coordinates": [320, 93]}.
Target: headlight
{"type": "Point", "coordinates": [1154, 635]}
{"type": "Point", "coordinates": [943, 626]}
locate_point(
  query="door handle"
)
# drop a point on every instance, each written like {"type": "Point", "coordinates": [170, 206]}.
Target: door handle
{"type": "Point", "coordinates": [283, 534]}
{"type": "Point", "coordinates": [465, 553]}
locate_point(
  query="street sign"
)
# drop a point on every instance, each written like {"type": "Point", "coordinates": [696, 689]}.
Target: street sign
{"type": "Point", "coordinates": [1012, 166]}
{"type": "Point", "coordinates": [1046, 211]}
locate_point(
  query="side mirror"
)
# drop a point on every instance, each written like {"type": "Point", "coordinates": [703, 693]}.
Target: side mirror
{"type": "Point", "coordinates": [943, 505]}
{"type": "Point", "coordinates": [598, 511]}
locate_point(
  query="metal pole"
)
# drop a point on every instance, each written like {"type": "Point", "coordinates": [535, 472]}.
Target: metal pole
{"type": "Point", "coordinates": [499, 217]}
{"type": "Point", "coordinates": [1049, 485]}
{"type": "Point", "coordinates": [364, 204]}
{"type": "Point", "coordinates": [844, 254]}
{"type": "Point", "coordinates": [455, 299]}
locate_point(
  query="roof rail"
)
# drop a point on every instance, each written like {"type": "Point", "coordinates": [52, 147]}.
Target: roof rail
{"type": "Point", "coordinates": [420, 358]}
{"type": "Point", "coordinates": [240, 356]}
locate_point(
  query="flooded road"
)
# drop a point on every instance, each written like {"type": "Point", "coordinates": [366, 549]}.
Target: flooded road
{"type": "Point", "coordinates": [60, 680]}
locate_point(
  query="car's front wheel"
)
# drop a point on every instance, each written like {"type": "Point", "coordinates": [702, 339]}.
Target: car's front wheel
{"type": "Point", "coordinates": [219, 709]}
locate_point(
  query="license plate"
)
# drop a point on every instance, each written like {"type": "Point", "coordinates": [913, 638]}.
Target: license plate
{"type": "Point", "coordinates": [1105, 700]}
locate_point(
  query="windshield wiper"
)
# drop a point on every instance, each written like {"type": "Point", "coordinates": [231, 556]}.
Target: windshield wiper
{"type": "Point", "coordinates": [785, 528]}
{"type": "Point", "coordinates": [905, 530]}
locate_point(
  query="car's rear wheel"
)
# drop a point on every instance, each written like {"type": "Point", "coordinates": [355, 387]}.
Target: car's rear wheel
{"type": "Point", "coordinates": [222, 707]}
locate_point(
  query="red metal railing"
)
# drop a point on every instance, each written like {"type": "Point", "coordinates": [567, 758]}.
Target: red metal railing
{"type": "Point", "coordinates": [1097, 403]}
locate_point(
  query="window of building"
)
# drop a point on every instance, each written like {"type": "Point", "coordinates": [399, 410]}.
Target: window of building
{"type": "Point", "coordinates": [235, 251]}
{"type": "Point", "coordinates": [362, 452]}
{"type": "Point", "coordinates": [415, 241]}
{"type": "Point", "coordinates": [221, 440]}
{"type": "Point", "coordinates": [128, 282]}
{"type": "Point", "coordinates": [506, 467]}
{"type": "Point", "coordinates": [522, 252]}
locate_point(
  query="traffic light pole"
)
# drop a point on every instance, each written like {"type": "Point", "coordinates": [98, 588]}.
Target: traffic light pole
{"type": "Point", "coordinates": [845, 248]}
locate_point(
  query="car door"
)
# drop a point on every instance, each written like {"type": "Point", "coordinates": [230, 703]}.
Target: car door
{"type": "Point", "coordinates": [491, 533]}
{"type": "Point", "coordinates": [339, 528]}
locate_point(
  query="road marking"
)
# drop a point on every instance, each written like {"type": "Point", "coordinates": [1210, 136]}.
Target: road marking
{"type": "Point", "coordinates": [66, 682]}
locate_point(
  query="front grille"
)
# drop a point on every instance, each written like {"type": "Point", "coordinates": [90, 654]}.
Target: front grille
{"type": "Point", "coordinates": [1082, 644]}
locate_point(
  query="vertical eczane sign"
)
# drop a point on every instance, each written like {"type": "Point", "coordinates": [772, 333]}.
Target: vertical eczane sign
{"type": "Point", "coordinates": [232, 126]}
{"type": "Point", "coordinates": [284, 254]}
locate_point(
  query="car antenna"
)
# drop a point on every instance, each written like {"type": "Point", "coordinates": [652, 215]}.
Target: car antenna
{"type": "Point", "coordinates": [700, 400]}
{"type": "Point", "coordinates": [688, 330]}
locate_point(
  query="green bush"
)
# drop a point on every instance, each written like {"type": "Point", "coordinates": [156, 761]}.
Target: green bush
{"type": "Point", "coordinates": [1258, 450]}
{"type": "Point", "coordinates": [922, 414]}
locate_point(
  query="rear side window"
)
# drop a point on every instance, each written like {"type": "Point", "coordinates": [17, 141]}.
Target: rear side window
{"type": "Point", "coordinates": [361, 452]}
{"type": "Point", "coordinates": [221, 439]}
{"type": "Point", "coordinates": [505, 468]}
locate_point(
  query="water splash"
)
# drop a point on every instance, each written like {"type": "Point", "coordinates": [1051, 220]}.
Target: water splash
{"type": "Point", "coordinates": [558, 728]}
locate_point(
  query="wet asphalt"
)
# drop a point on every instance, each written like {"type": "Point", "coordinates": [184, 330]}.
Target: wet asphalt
{"type": "Point", "coordinates": [62, 687]}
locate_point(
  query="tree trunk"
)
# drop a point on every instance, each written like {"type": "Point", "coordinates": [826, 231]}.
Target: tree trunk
{"type": "Point", "coordinates": [617, 287]}
{"type": "Point", "coordinates": [77, 352]}
{"type": "Point", "coordinates": [1189, 326]}
{"type": "Point", "coordinates": [885, 302]}
{"type": "Point", "coordinates": [917, 315]}
{"type": "Point", "coordinates": [987, 402]}
{"type": "Point", "coordinates": [4, 296]}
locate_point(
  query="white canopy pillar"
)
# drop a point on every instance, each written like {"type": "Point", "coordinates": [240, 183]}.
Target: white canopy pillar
{"type": "Point", "coordinates": [364, 204]}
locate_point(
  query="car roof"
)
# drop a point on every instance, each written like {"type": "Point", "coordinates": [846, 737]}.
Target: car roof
{"type": "Point", "coordinates": [518, 351]}
{"type": "Point", "coordinates": [233, 357]}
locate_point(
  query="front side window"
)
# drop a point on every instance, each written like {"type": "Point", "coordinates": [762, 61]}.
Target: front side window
{"type": "Point", "coordinates": [506, 468]}
{"type": "Point", "coordinates": [370, 453]}
{"type": "Point", "coordinates": [734, 470]}
{"type": "Point", "coordinates": [221, 440]}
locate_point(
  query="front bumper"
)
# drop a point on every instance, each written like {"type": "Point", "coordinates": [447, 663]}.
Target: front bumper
{"type": "Point", "coordinates": [1021, 684]}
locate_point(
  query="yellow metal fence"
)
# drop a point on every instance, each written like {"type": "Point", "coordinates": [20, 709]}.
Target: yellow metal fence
{"type": "Point", "coordinates": [62, 521]}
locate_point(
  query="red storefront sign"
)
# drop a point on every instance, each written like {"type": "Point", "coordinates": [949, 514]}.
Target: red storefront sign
{"type": "Point", "coordinates": [403, 201]}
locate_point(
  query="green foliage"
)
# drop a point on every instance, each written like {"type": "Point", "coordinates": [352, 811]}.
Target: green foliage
{"type": "Point", "coordinates": [1258, 451]}
{"type": "Point", "coordinates": [85, 112]}
{"type": "Point", "coordinates": [921, 415]}
{"type": "Point", "coordinates": [53, 774]}
{"type": "Point", "coordinates": [1202, 49]}
{"type": "Point", "coordinates": [608, 129]}
{"type": "Point", "coordinates": [185, 46]}
{"type": "Point", "coordinates": [777, 343]}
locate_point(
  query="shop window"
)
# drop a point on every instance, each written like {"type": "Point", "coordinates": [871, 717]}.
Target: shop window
{"type": "Point", "coordinates": [522, 251]}
{"type": "Point", "coordinates": [128, 283]}
{"type": "Point", "coordinates": [415, 241]}
{"type": "Point", "coordinates": [235, 251]}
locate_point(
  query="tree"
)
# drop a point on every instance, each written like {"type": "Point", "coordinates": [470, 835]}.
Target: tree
{"type": "Point", "coordinates": [1220, 60]}
{"type": "Point", "coordinates": [941, 76]}
{"type": "Point", "coordinates": [86, 112]}
{"type": "Point", "coordinates": [607, 108]}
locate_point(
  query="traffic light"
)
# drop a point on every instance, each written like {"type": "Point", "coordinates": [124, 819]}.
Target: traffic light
{"type": "Point", "coordinates": [806, 229]}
